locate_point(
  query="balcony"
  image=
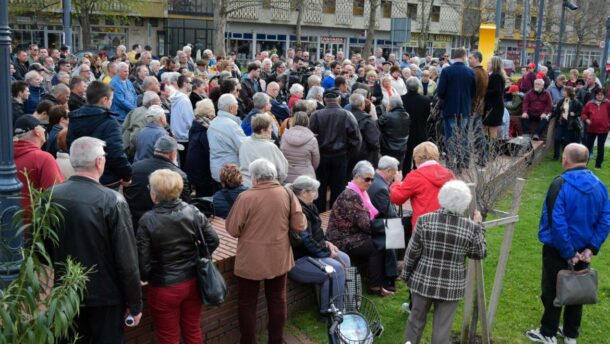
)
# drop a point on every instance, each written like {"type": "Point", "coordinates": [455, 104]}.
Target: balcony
{"type": "Point", "coordinates": [191, 7]}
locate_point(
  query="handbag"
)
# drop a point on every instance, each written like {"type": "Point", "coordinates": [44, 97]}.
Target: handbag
{"type": "Point", "coordinates": [392, 228]}
{"type": "Point", "coordinates": [576, 287]}
{"type": "Point", "coordinates": [212, 286]}
{"type": "Point", "coordinates": [294, 237]}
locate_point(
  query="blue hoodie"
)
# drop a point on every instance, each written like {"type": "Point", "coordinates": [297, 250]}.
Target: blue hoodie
{"type": "Point", "coordinates": [580, 213]}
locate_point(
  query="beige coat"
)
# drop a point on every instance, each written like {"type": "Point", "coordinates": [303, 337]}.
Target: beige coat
{"type": "Point", "coordinates": [260, 219]}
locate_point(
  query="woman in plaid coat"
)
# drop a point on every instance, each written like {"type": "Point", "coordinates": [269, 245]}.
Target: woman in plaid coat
{"type": "Point", "coordinates": [435, 268]}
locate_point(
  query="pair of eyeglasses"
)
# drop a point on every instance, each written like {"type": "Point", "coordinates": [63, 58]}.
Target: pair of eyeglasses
{"type": "Point", "coordinates": [368, 179]}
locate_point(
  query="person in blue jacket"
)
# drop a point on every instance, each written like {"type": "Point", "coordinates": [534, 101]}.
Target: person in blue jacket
{"type": "Point", "coordinates": [574, 224]}
{"type": "Point", "coordinates": [125, 96]}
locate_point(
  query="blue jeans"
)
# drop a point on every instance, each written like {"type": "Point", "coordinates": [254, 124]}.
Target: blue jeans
{"type": "Point", "coordinates": [457, 152]}
{"type": "Point", "coordinates": [305, 272]}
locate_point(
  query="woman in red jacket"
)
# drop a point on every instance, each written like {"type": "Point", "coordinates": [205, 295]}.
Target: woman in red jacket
{"type": "Point", "coordinates": [597, 116]}
{"type": "Point", "coordinates": [422, 185]}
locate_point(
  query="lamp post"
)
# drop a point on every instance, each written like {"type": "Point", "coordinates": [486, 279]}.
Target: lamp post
{"type": "Point", "coordinates": [67, 21]}
{"type": "Point", "coordinates": [603, 61]}
{"type": "Point", "coordinates": [498, 19]}
{"type": "Point", "coordinates": [10, 242]}
{"type": "Point", "coordinates": [562, 27]}
{"type": "Point", "coordinates": [526, 16]}
{"type": "Point", "coordinates": [539, 33]}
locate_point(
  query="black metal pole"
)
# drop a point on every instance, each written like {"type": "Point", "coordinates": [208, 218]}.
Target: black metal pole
{"type": "Point", "coordinates": [498, 19]}
{"type": "Point", "coordinates": [526, 15]}
{"type": "Point", "coordinates": [10, 242]}
{"type": "Point", "coordinates": [67, 4]}
{"type": "Point", "coordinates": [539, 33]}
{"type": "Point", "coordinates": [604, 58]}
{"type": "Point", "coordinates": [562, 28]}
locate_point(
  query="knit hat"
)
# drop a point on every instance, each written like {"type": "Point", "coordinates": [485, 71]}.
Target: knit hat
{"type": "Point", "coordinates": [513, 89]}
{"type": "Point", "coordinates": [540, 75]}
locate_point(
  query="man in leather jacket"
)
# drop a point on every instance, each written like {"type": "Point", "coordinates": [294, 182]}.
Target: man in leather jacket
{"type": "Point", "coordinates": [338, 138]}
{"type": "Point", "coordinates": [96, 231]}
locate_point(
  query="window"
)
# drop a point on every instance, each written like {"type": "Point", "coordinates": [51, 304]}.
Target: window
{"type": "Point", "coordinates": [533, 24]}
{"type": "Point", "coordinates": [358, 8]}
{"type": "Point", "coordinates": [329, 6]}
{"type": "Point", "coordinates": [412, 11]}
{"type": "Point", "coordinates": [386, 8]}
{"type": "Point", "coordinates": [435, 14]}
{"type": "Point", "coordinates": [266, 4]}
{"type": "Point", "coordinates": [503, 20]}
{"type": "Point", "coordinates": [519, 22]}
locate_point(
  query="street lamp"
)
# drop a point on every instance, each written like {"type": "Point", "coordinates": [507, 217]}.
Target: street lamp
{"type": "Point", "coordinates": [562, 24]}
{"type": "Point", "coordinates": [10, 242]}
{"type": "Point", "coordinates": [539, 33]}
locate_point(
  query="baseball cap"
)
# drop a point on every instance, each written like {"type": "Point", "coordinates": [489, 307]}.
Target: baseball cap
{"type": "Point", "coordinates": [25, 123]}
{"type": "Point", "coordinates": [531, 66]}
{"type": "Point", "coordinates": [167, 144]}
{"type": "Point", "coordinates": [331, 94]}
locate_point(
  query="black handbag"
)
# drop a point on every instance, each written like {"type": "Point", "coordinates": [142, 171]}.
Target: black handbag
{"type": "Point", "coordinates": [212, 286]}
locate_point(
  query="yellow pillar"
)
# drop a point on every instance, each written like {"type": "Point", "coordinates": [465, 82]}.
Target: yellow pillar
{"type": "Point", "coordinates": [487, 42]}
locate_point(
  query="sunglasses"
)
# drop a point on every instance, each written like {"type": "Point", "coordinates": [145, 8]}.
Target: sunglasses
{"type": "Point", "coordinates": [367, 179]}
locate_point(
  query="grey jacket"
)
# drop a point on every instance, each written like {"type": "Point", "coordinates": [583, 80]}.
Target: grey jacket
{"type": "Point", "coordinates": [225, 136]}
{"type": "Point", "coordinates": [300, 147]}
{"type": "Point", "coordinates": [256, 147]}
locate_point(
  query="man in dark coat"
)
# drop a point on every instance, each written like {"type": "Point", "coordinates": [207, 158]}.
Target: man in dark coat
{"type": "Point", "coordinates": [369, 149]}
{"type": "Point", "coordinates": [96, 231]}
{"type": "Point", "coordinates": [96, 120]}
{"type": "Point", "coordinates": [456, 88]}
{"type": "Point", "coordinates": [20, 92]}
{"type": "Point", "coordinates": [250, 85]}
{"type": "Point", "coordinates": [418, 108]}
{"type": "Point", "coordinates": [137, 193]}
{"type": "Point", "coordinates": [78, 91]}
{"type": "Point", "coordinates": [387, 173]}
{"type": "Point", "coordinates": [21, 64]}
{"type": "Point", "coordinates": [338, 138]}
{"type": "Point", "coordinates": [394, 126]}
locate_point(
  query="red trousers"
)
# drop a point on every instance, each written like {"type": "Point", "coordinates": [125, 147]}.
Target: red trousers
{"type": "Point", "coordinates": [247, 299]}
{"type": "Point", "coordinates": [174, 309]}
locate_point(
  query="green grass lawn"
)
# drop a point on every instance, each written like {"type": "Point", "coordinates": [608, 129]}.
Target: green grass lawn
{"type": "Point", "coordinates": [520, 307]}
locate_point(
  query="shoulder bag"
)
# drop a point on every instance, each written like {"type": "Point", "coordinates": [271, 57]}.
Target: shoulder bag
{"type": "Point", "coordinates": [212, 286]}
{"type": "Point", "coordinates": [392, 228]}
{"type": "Point", "coordinates": [294, 237]}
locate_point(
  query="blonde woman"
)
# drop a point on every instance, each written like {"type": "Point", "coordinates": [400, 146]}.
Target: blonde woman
{"type": "Point", "coordinates": [167, 255]}
{"type": "Point", "coordinates": [198, 155]}
{"type": "Point", "coordinates": [494, 98]}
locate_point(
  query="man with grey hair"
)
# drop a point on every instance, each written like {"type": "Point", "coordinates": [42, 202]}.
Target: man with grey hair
{"type": "Point", "coordinates": [144, 139]}
{"type": "Point", "coordinates": [150, 83]}
{"type": "Point", "coordinates": [141, 72]}
{"type": "Point", "coordinates": [136, 120]}
{"type": "Point", "coordinates": [338, 138]}
{"type": "Point", "coordinates": [261, 104]}
{"type": "Point", "coordinates": [313, 80]}
{"type": "Point", "coordinates": [369, 149]}
{"type": "Point", "coordinates": [394, 126]}
{"type": "Point", "coordinates": [537, 107]}
{"type": "Point", "coordinates": [379, 192]}
{"type": "Point", "coordinates": [164, 153]}
{"type": "Point", "coordinates": [59, 95]}
{"type": "Point", "coordinates": [434, 266]}
{"type": "Point", "coordinates": [418, 108]}
{"type": "Point", "coordinates": [225, 135]}
{"type": "Point", "coordinates": [114, 292]}
{"type": "Point", "coordinates": [125, 97]}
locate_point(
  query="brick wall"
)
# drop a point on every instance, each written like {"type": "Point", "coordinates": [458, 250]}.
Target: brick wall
{"type": "Point", "coordinates": [219, 324]}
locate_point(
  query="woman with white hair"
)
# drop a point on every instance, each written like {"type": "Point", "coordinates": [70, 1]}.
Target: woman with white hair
{"type": "Point", "coordinates": [316, 246]}
{"type": "Point", "coordinates": [296, 94]}
{"type": "Point", "coordinates": [387, 90]}
{"type": "Point", "coordinates": [260, 218]}
{"type": "Point", "coordinates": [198, 155]}
{"type": "Point", "coordinates": [349, 225]}
{"type": "Point", "coordinates": [435, 268]}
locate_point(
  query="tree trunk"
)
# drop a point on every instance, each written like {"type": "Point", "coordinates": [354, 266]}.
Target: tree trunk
{"type": "Point", "coordinates": [576, 62]}
{"type": "Point", "coordinates": [220, 27]}
{"type": "Point", "coordinates": [425, 28]}
{"type": "Point", "coordinates": [85, 23]}
{"type": "Point", "coordinates": [370, 33]}
{"type": "Point", "coordinates": [299, 10]}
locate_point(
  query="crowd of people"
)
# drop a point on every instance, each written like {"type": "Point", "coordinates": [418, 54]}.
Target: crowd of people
{"type": "Point", "coordinates": [131, 140]}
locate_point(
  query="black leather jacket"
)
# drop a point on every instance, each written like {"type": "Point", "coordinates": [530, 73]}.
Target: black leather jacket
{"type": "Point", "coordinates": [394, 127]}
{"type": "Point", "coordinates": [96, 231]}
{"type": "Point", "coordinates": [336, 129]}
{"type": "Point", "coordinates": [166, 242]}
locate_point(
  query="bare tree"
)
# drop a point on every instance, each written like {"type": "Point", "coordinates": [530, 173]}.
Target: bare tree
{"type": "Point", "coordinates": [370, 32]}
{"type": "Point", "coordinates": [585, 23]}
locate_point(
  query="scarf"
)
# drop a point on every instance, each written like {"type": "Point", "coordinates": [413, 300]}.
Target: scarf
{"type": "Point", "coordinates": [364, 196]}
{"type": "Point", "coordinates": [389, 90]}
{"type": "Point", "coordinates": [204, 121]}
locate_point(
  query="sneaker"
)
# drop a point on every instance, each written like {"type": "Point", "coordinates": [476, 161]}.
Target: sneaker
{"type": "Point", "coordinates": [406, 308]}
{"type": "Point", "coordinates": [560, 331]}
{"type": "Point", "coordinates": [536, 137]}
{"type": "Point", "coordinates": [568, 340]}
{"type": "Point", "coordinates": [536, 336]}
